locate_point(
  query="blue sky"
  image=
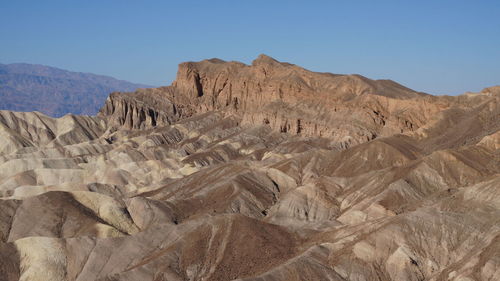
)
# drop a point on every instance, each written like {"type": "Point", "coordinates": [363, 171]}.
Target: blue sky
{"type": "Point", "coordinates": [440, 47]}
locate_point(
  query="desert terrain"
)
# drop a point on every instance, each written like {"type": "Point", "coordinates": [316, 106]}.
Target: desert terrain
{"type": "Point", "coordinates": [258, 172]}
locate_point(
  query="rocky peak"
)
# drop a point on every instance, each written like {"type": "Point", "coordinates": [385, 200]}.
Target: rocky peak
{"type": "Point", "coordinates": [263, 59]}
{"type": "Point", "coordinates": [348, 109]}
{"type": "Point", "coordinates": [495, 90]}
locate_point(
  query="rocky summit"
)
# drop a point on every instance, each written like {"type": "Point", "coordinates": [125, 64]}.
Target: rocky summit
{"type": "Point", "coordinates": [260, 172]}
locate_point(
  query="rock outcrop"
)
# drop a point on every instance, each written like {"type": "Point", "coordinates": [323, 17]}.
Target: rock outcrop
{"type": "Point", "coordinates": [349, 109]}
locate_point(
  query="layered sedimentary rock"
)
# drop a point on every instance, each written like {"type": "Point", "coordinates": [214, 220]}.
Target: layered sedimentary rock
{"type": "Point", "coordinates": [255, 172]}
{"type": "Point", "coordinates": [349, 109]}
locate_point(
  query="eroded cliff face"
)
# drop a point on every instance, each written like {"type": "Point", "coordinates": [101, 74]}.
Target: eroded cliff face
{"type": "Point", "coordinates": [348, 109]}
{"type": "Point", "coordinates": [253, 172]}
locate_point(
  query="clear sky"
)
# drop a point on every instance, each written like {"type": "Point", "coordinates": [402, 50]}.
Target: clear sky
{"type": "Point", "coordinates": [440, 47]}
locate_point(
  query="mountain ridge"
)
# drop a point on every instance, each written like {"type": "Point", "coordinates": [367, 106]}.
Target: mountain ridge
{"type": "Point", "coordinates": [281, 95]}
{"type": "Point", "coordinates": [54, 91]}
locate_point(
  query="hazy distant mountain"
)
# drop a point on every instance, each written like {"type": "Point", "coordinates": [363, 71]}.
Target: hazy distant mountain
{"type": "Point", "coordinates": [53, 91]}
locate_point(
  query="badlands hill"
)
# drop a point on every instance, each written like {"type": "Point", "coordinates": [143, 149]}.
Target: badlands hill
{"type": "Point", "coordinates": [257, 172]}
{"type": "Point", "coordinates": [55, 92]}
